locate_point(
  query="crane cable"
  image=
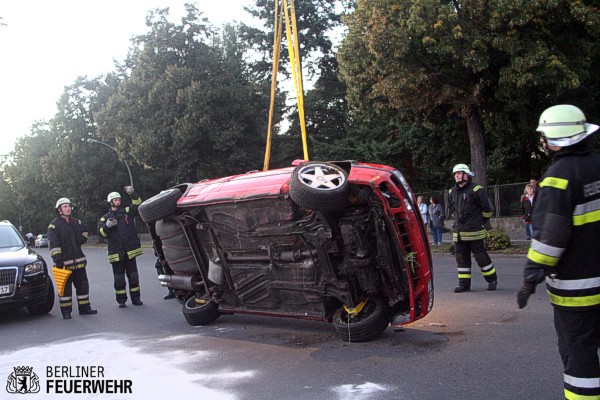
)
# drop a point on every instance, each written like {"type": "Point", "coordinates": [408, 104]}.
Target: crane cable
{"type": "Point", "coordinates": [289, 13]}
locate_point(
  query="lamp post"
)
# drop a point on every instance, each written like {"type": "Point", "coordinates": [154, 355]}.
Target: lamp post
{"type": "Point", "coordinates": [89, 140]}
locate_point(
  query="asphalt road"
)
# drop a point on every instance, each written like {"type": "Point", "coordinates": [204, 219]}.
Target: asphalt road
{"type": "Point", "coordinates": [474, 345]}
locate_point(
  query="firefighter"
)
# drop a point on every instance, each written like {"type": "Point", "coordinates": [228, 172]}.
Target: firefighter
{"type": "Point", "coordinates": [564, 251]}
{"type": "Point", "coordinates": [470, 205]}
{"type": "Point", "coordinates": [118, 227]}
{"type": "Point", "coordinates": [66, 235]}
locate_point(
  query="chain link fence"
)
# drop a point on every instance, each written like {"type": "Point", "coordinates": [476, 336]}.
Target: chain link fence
{"type": "Point", "coordinates": [505, 198]}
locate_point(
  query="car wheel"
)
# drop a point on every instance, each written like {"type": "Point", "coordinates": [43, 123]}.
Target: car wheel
{"type": "Point", "coordinates": [201, 312]}
{"type": "Point", "coordinates": [321, 186]}
{"type": "Point", "coordinates": [160, 206]}
{"type": "Point", "coordinates": [45, 307]}
{"type": "Point", "coordinates": [369, 323]}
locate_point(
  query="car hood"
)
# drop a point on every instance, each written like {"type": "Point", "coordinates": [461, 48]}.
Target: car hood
{"type": "Point", "coordinates": [13, 256]}
{"type": "Point", "coordinates": [238, 187]}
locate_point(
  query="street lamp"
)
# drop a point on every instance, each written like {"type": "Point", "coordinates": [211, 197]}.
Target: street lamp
{"type": "Point", "coordinates": [89, 140]}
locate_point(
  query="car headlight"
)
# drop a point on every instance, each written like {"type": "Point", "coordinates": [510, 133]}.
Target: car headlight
{"type": "Point", "coordinates": [34, 268]}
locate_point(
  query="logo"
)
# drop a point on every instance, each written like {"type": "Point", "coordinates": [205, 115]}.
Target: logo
{"type": "Point", "coordinates": [23, 380]}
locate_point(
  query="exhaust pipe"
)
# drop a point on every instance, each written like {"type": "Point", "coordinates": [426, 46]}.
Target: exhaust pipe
{"type": "Point", "coordinates": [192, 283]}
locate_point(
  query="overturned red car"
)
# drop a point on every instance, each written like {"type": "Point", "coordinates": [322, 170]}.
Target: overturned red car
{"type": "Point", "coordinates": [340, 242]}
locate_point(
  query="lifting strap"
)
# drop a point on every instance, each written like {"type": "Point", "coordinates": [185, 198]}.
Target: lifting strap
{"type": "Point", "coordinates": [286, 8]}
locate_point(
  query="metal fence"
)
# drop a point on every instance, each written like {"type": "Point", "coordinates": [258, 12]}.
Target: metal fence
{"type": "Point", "coordinates": [506, 198]}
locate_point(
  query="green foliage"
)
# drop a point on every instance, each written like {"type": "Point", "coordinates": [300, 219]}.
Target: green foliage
{"type": "Point", "coordinates": [496, 240]}
{"type": "Point", "coordinates": [486, 61]}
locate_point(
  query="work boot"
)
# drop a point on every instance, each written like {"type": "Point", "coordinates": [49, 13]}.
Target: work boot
{"type": "Point", "coordinates": [122, 305]}
{"type": "Point", "coordinates": [492, 285]}
{"type": "Point", "coordinates": [170, 295]}
{"type": "Point", "coordinates": [66, 314]}
{"type": "Point", "coordinates": [137, 302]}
{"type": "Point", "coordinates": [460, 289]}
{"type": "Point", "coordinates": [88, 311]}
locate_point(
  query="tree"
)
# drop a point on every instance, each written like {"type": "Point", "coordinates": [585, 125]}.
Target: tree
{"type": "Point", "coordinates": [187, 102]}
{"type": "Point", "coordinates": [475, 59]}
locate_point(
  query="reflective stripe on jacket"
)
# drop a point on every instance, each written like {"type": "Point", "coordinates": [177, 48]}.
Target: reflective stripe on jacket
{"type": "Point", "coordinates": [566, 228]}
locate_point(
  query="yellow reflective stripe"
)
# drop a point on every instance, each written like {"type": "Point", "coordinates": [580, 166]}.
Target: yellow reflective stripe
{"type": "Point", "coordinates": [574, 396]}
{"type": "Point", "coordinates": [593, 216]}
{"type": "Point", "coordinates": [113, 257]}
{"type": "Point", "coordinates": [135, 252]}
{"type": "Point", "coordinates": [56, 250]}
{"type": "Point", "coordinates": [464, 276]}
{"type": "Point", "coordinates": [103, 233]}
{"type": "Point", "coordinates": [83, 302]}
{"type": "Point", "coordinates": [540, 258]}
{"type": "Point", "coordinates": [136, 202]}
{"type": "Point", "coordinates": [476, 188]}
{"type": "Point", "coordinates": [134, 289]}
{"type": "Point", "coordinates": [557, 183]}
{"type": "Point", "coordinates": [487, 214]}
{"type": "Point", "coordinates": [581, 301]}
{"type": "Point", "coordinates": [469, 236]}
{"type": "Point", "coordinates": [120, 291]}
{"type": "Point", "coordinates": [586, 213]}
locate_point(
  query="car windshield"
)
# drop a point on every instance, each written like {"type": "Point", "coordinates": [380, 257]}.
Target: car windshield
{"type": "Point", "coordinates": [9, 237]}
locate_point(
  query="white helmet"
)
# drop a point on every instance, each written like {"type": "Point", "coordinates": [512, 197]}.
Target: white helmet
{"type": "Point", "coordinates": [112, 195]}
{"type": "Point", "coordinates": [462, 167]}
{"type": "Point", "coordinates": [61, 201]}
{"type": "Point", "coordinates": [564, 125]}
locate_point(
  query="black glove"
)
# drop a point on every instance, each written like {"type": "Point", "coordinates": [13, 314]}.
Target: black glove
{"type": "Point", "coordinates": [526, 290]}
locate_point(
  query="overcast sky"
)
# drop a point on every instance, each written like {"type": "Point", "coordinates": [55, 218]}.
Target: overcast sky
{"type": "Point", "coordinates": [47, 44]}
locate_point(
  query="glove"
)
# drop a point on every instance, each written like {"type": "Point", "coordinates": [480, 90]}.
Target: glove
{"type": "Point", "coordinates": [111, 222]}
{"type": "Point", "coordinates": [128, 189]}
{"type": "Point", "coordinates": [526, 290]}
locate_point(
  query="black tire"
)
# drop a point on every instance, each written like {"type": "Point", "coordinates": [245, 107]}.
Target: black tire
{"type": "Point", "coordinates": [197, 314]}
{"type": "Point", "coordinates": [369, 323]}
{"type": "Point", "coordinates": [319, 186]}
{"type": "Point", "coordinates": [45, 307]}
{"type": "Point", "coordinates": [160, 206]}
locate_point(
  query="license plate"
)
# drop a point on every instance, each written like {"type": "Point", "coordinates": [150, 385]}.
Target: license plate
{"type": "Point", "coordinates": [4, 289]}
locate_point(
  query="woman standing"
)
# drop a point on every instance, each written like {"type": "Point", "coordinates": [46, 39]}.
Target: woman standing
{"type": "Point", "coordinates": [436, 216]}
{"type": "Point", "coordinates": [527, 209]}
{"type": "Point", "coordinates": [423, 209]}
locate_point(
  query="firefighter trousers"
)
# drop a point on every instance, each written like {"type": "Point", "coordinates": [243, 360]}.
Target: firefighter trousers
{"type": "Point", "coordinates": [463, 250]}
{"type": "Point", "coordinates": [79, 279]}
{"type": "Point", "coordinates": [578, 344]}
{"type": "Point", "coordinates": [122, 269]}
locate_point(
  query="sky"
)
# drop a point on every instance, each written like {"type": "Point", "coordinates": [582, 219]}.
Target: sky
{"type": "Point", "coordinates": [46, 45]}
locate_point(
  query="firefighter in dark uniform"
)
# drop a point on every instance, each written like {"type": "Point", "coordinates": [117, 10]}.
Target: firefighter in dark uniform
{"type": "Point", "coordinates": [565, 251]}
{"type": "Point", "coordinates": [66, 235]}
{"type": "Point", "coordinates": [118, 227]}
{"type": "Point", "coordinates": [470, 205]}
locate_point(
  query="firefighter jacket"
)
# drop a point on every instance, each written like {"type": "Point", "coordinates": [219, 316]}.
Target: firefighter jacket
{"type": "Point", "coordinates": [65, 237]}
{"type": "Point", "coordinates": [471, 208]}
{"type": "Point", "coordinates": [123, 241]}
{"type": "Point", "coordinates": [566, 228]}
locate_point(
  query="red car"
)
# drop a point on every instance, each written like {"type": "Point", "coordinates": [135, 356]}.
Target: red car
{"type": "Point", "coordinates": [339, 242]}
